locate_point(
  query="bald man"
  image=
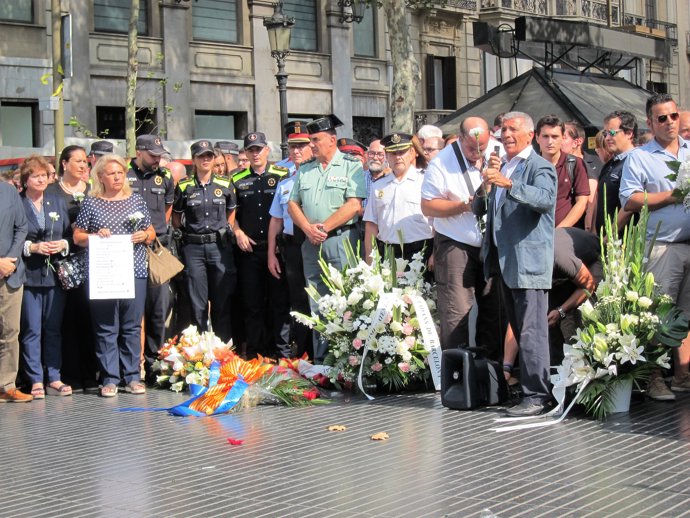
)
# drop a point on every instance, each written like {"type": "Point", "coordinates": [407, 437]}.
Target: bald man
{"type": "Point", "coordinates": [449, 184]}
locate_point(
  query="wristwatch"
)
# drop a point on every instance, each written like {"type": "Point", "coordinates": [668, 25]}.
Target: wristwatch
{"type": "Point", "coordinates": [561, 312]}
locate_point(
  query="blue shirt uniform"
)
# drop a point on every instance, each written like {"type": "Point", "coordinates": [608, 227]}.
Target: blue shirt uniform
{"type": "Point", "coordinates": [279, 205]}
{"type": "Point", "coordinates": [158, 190]}
{"type": "Point", "coordinates": [205, 206]}
{"type": "Point", "coordinates": [255, 194]}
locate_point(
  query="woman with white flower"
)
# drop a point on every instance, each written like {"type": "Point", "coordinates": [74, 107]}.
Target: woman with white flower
{"type": "Point", "coordinates": [78, 357]}
{"type": "Point", "coordinates": [113, 209]}
{"type": "Point", "coordinates": [43, 301]}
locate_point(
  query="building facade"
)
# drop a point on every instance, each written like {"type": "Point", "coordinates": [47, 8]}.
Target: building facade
{"type": "Point", "coordinates": [205, 68]}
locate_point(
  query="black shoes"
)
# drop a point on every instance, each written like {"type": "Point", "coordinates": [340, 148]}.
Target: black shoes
{"type": "Point", "coordinates": [527, 408]}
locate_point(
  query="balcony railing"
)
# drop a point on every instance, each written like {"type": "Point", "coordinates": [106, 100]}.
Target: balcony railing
{"type": "Point", "coordinates": [657, 27]}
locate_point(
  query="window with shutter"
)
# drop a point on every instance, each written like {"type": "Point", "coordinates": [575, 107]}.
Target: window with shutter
{"type": "Point", "coordinates": [215, 20]}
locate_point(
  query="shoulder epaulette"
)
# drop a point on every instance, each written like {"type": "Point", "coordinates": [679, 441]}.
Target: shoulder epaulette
{"type": "Point", "coordinates": [185, 183]}
{"type": "Point", "coordinates": [306, 162]}
{"type": "Point", "coordinates": [278, 170]}
{"type": "Point", "coordinates": [225, 182]}
{"type": "Point", "coordinates": [242, 174]}
{"type": "Point", "coordinates": [351, 158]}
{"type": "Point", "coordinates": [165, 172]}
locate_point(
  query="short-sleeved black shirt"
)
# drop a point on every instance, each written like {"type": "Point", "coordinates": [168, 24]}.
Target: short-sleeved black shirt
{"type": "Point", "coordinates": [609, 187]}
{"type": "Point", "coordinates": [254, 197]}
{"type": "Point", "coordinates": [205, 207]}
{"type": "Point", "coordinates": [158, 190]}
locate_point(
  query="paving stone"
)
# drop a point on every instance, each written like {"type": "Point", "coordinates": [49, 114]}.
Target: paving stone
{"type": "Point", "coordinates": [83, 456]}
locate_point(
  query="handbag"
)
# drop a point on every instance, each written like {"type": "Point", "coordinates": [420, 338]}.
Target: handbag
{"type": "Point", "coordinates": [72, 270]}
{"type": "Point", "coordinates": [163, 266]}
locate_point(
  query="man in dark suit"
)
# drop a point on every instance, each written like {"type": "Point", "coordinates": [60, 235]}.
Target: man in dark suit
{"type": "Point", "coordinates": [12, 235]}
{"type": "Point", "coordinates": [518, 247]}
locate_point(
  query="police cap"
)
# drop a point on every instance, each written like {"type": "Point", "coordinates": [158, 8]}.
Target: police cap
{"type": "Point", "coordinates": [151, 143]}
{"type": "Point", "coordinates": [255, 139]}
{"type": "Point", "coordinates": [396, 141]}
{"type": "Point", "coordinates": [201, 147]}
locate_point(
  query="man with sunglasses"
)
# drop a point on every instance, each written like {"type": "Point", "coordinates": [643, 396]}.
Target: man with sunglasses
{"type": "Point", "coordinates": [645, 181]}
{"type": "Point", "coordinates": [620, 133]}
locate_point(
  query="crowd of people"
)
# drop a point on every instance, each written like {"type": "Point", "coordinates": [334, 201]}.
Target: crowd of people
{"type": "Point", "coordinates": [508, 216]}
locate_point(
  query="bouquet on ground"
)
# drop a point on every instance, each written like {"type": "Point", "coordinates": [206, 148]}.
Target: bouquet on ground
{"type": "Point", "coordinates": [187, 360]}
{"type": "Point", "coordinates": [681, 175]}
{"type": "Point", "coordinates": [397, 355]}
{"type": "Point", "coordinates": [235, 384]}
{"type": "Point", "coordinates": [628, 331]}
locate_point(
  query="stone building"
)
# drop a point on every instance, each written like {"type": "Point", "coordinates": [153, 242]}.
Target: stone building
{"type": "Point", "coordinates": [206, 70]}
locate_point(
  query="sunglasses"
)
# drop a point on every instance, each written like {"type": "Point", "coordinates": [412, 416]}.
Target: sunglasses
{"type": "Point", "coordinates": [612, 132]}
{"type": "Point", "coordinates": [663, 118]}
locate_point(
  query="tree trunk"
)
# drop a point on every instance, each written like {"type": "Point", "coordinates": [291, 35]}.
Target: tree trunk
{"type": "Point", "coordinates": [406, 73]}
{"type": "Point", "coordinates": [132, 67]}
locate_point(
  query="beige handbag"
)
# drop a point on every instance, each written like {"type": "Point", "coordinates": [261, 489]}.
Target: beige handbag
{"type": "Point", "coordinates": [163, 266]}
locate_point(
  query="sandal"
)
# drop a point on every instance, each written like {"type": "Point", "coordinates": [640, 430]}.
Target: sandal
{"type": "Point", "coordinates": [109, 390]}
{"type": "Point", "coordinates": [60, 390]}
{"type": "Point", "coordinates": [135, 387]}
{"type": "Point", "coordinates": [37, 391]}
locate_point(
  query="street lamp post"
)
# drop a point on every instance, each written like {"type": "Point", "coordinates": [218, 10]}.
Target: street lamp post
{"type": "Point", "coordinates": [279, 28]}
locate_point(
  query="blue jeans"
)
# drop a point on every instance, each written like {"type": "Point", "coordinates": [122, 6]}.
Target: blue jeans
{"type": "Point", "coordinates": [117, 326]}
{"type": "Point", "coordinates": [41, 333]}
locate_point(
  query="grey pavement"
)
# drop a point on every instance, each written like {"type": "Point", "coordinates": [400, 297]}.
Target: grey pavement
{"type": "Point", "coordinates": [82, 457]}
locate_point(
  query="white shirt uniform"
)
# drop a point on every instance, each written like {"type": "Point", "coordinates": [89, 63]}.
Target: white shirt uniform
{"type": "Point", "coordinates": [396, 206]}
{"type": "Point", "coordinates": [444, 179]}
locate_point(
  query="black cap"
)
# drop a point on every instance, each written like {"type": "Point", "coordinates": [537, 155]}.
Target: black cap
{"type": "Point", "coordinates": [329, 122]}
{"type": "Point", "coordinates": [396, 141]}
{"type": "Point", "coordinates": [151, 143]}
{"type": "Point", "coordinates": [201, 147]}
{"type": "Point", "coordinates": [296, 132]}
{"type": "Point", "coordinates": [350, 146]}
{"type": "Point", "coordinates": [101, 147]}
{"type": "Point", "coordinates": [255, 139]}
{"type": "Point", "coordinates": [227, 148]}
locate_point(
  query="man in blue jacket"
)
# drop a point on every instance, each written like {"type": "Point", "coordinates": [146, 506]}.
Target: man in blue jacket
{"type": "Point", "coordinates": [518, 247]}
{"type": "Point", "coordinates": [12, 235]}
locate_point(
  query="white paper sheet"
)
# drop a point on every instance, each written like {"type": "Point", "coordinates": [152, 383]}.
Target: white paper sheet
{"type": "Point", "coordinates": [111, 267]}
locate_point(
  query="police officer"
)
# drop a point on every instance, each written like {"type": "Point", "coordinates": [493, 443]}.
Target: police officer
{"type": "Point", "coordinates": [394, 209]}
{"type": "Point", "coordinates": [230, 150]}
{"type": "Point", "coordinates": [157, 187]}
{"type": "Point", "coordinates": [208, 205]}
{"type": "Point", "coordinates": [325, 202]}
{"type": "Point", "coordinates": [255, 187]}
{"type": "Point", "coordinates": [352, 147]}
{"type": "Point", "coordinates": [284, 237]}
{"type": "Point", "coordinates": [98, 149]}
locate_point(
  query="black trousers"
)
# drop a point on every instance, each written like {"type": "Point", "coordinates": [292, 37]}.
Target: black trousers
{"type": "Point", "coordinates": [291, 252]}
{"type": "Point", "coordinates": [265, 303]}
{"type": "Point", "coordinates": [211, 278]}
{"type": "Point", "coordinates": [155, 314]}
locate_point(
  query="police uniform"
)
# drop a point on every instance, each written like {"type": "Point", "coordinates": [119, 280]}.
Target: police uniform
{"type": "Point", "coordinates": [262, 294]}
{"type": "Point", "coordinates": [289, 244]}
{"type": "Point", "coordinates": [207, 251]}
{"type": "Point", "coordinates": [158, 190]}
{"type": "Point", "coordinates": [395, 207]}
{"type": "Point", "coordinates": [320, 192]}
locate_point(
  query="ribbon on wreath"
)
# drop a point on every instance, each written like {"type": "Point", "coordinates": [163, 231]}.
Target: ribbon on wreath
{"type": "Point", "coordinates": [429, 337]}
{"type": "Point", "coordinates": [558, 391]}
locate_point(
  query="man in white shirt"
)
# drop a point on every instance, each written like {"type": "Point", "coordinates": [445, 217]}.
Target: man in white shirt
{"type": "Point", "coordinates": [393, 211]}
{"type": "Point", "coordinates": [450, 182]}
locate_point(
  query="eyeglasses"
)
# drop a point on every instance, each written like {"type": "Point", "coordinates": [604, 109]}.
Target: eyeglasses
{"type": "Point", "coordinates": [430, 149]}
{"type": "Point", "coordinates": [376, 154]}
{"type": "Point", "coordinates": [612, 132]}
{"type": "Point", "coordinates": [663, 118]}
